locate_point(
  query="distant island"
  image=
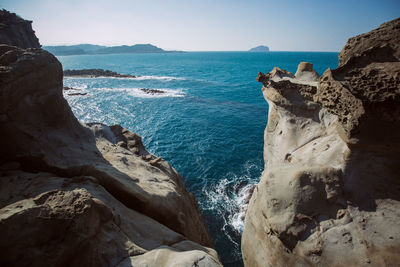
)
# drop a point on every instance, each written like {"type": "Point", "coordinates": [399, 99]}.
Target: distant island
{"type": "Point", "coordinates": [88, 49]}
{"type": "Point", "coordinates": [261, 48]}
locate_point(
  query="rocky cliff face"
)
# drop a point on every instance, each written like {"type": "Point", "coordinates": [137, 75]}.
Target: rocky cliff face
{"type": "Point", "coordinates": [16, 31]}
{"type": "Point", "coordinates": [329, 194]}
{"type": "Point", "coordinates": [84, 195]}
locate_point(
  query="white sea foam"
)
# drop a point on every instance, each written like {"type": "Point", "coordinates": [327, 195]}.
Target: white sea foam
{"type": "Point", "coordinates": [237, 220]}
{"type": "Point", "coordinates": [138, 78]}
{"type": "Point", "coordinates": [163, 78]}
{"type": "Point", "coordinates": [228, 198]}
{"type": "Point", "coordinates": [138, 92]}
{"type": "Point", "coordinates": [76, 86]}
{"type": "Point", "coordinates": [233, 203]}
{"type": "Point", "coordinates": [98, 77]}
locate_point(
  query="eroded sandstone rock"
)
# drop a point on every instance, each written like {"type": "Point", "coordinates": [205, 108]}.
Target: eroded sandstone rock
{"type": "Point", "coordinates": [305, 72]}
{"type": "Point", "coordinates": [329, 194]}
{"type": "Point", "coordinates": [73, 194]}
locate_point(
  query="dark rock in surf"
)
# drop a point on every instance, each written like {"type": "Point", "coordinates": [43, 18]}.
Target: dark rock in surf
{"type": "Point", "coordinates": [66, 88]}
{"type": "Point", "coordinates": [76, 94]}
{"type": "Point", "coordinates": [152, 91]}
{"type": "Point", "coordinates": [240, 186]}
{"type": "Point", "coordinates": [94, 73]}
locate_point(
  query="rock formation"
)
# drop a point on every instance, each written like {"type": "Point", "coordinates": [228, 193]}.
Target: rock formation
{"type": "Point", "coordinates": [330, 191]}
{"type": "Point", "coordinates": [260, 48]}
{"type": "Point", "coordinates": [16, 31]}
{"type": "Point", "coordinates": [75, 194]}
{"type": "Point", "coordinates": [93, 73]}
{"type": "Point", "coordinates": [305, 72]}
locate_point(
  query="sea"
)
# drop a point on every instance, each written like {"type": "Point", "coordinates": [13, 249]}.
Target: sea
{"type": "Point", "coordinates": [208, 123]}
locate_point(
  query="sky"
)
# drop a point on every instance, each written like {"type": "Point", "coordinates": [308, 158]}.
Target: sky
{"type": "Point", "coordinates": [205, 25]}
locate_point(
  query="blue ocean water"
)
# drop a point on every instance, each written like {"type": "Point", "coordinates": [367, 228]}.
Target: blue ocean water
{"type": "Point", "coordinates": [209, 124]}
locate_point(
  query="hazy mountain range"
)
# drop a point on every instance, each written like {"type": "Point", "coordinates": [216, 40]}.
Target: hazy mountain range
{"type": "Point", "coordinates": [87, 49]}
{"type": "Point", "coordinates": [90, 49]}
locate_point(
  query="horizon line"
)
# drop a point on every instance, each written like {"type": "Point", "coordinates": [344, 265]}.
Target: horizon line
{"type": "Point", "coordinates": [328, 51]}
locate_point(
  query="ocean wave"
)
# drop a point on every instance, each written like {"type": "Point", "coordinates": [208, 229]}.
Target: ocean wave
{"type": "Point", "coordinates": [76, 86]}
{"type": "Point", "coordinates": [138, 78]}
{"type": "Point", "coordinates": [162, 78]}
{"type": "Point", "coordinates": [230, 198]}
{"type": "Point", "coordinates": [87, 77]}
{"type": "Point", "coordinates": [148, 93]}
{"type": "Point", "coordinates": [242, 201]}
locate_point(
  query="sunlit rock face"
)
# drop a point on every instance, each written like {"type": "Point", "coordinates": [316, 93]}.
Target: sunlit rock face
{"type": "Point", "coordinates": [75, 194]}
{"type": "Point", "coordinates": [329, 194]}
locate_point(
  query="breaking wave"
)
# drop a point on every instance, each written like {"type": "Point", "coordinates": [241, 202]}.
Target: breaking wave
{"type": "Point", "coordinates": [162, 78]}
{"type": "Point", "coordinates": [138, 78]}
{"type": "Point", "coordinates": [147, 93]}
{"type": "Point", "coordinates": [229, 198]}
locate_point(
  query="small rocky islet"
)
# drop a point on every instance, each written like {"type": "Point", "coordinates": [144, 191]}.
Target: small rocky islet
{"type": "Point", "coordinates": [95, 73]}
{"type": "Point", "coordinates": [144, 90]}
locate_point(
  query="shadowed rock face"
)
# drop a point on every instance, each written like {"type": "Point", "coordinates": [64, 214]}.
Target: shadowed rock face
{"type": "Point", "coordinates": [17, 31]}
{"type": "Point", "coordinates": [366, 84]}
{"type": "Point", "coordinates": [329, 194]}
{"type": "Point", "coordinates": [83, 195]}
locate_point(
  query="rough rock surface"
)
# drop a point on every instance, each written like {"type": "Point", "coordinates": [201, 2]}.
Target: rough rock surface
{"type": "Point", "coordinates": [329, 194]}
{"type": "Point", "coordinates": [83, 195]}
{"type": "Point", "coordinates": [16, 31]}
{"type": "Point", "coordinates": [305, 72]}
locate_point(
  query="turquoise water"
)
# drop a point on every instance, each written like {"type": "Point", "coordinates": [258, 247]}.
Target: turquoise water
{"type": "Point", "coordinates": [209, 124]}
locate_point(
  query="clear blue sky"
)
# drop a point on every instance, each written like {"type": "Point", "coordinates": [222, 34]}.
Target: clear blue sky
{"type": "Point", "coordinates": [203, 25]}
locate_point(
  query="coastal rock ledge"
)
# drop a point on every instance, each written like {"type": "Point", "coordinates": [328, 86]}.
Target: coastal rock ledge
{"type": "Point", "coordinates": [75, 194]}
{"type": "Point", "coordinates": [330, 191]}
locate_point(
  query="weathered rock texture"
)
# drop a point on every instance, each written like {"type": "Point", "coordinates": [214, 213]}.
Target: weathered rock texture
{"type": "Point", "coordinates": [84, 195]}
{"type": "Point", "coordinates": [17, 31]}
{"type": "Point", "coordinates": [330, 191]}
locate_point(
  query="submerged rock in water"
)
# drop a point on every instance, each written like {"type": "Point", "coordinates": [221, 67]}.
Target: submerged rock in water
{"type": "Point", "coordinates": [152, 91]}
{"type": "Point", "coordinates": [75, 94]}
{"type": "Point", "coordinates": [330, 191]}
{"type": "Point", "coordinates": [66, 88]}
{"type": "Point", "coordinates": [81, 194]}
{"type": "Point", "coordinates": [93, 73]}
